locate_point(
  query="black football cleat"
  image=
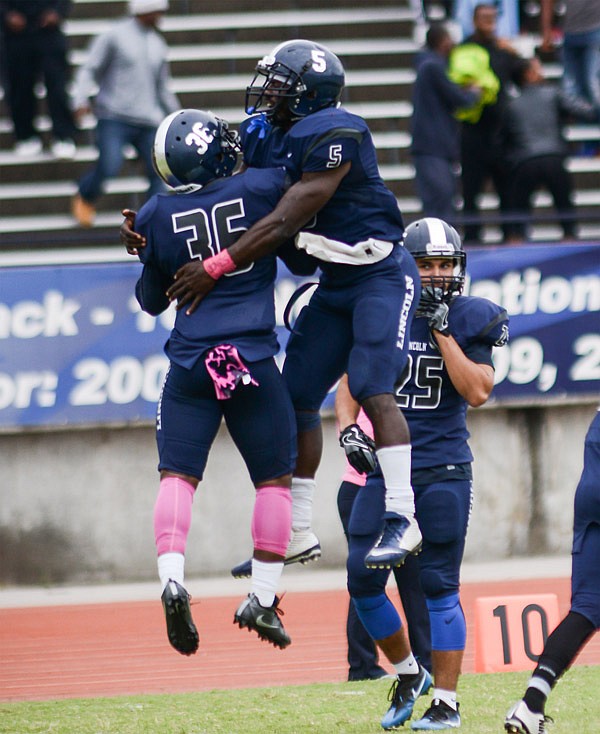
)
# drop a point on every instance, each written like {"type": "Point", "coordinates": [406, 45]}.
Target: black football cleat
{"type": "Point", "coordinates": [181, 630]}
{"type": "Point", "coordinates": [263, 620]}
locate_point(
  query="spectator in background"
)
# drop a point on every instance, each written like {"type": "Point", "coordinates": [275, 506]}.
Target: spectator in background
{"type": "Point", "coordinates": [35, 47]}
{"type": "Point", "coordinates": [507, 11]}
{"type": "Point", "coordinates": [435, 131]}
{"type": "Point", "coordinates": [481, 152]}
{"type": "Point", "coordinates": [127, 67]}
{"type": "Point", "coordinates": [536, 149]}
{"type": "Point", "coordinates": [581, 48]}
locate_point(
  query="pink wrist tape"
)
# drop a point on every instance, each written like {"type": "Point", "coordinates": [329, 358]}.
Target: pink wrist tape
{"type": "Point", "coordinates": [218, 265]}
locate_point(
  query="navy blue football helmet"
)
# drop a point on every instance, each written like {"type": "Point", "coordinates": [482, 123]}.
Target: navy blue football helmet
{"type": "Point", "coordinates": [300, 77]}
{"type": "Point", "coordinates": [194, 147]}
{"type": "Point", "coordinates": [431, 237]}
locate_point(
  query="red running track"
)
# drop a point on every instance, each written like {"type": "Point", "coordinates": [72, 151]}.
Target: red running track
{"type": "Point", "coordinates": [110, 649]}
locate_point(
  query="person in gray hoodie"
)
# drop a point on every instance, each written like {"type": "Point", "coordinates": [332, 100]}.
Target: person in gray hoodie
{"type": "Point", "coordinates": [536, 149]}
{"type": "Point", "coordinates": [127, 74]}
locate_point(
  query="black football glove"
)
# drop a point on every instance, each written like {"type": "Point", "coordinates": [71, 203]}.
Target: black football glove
{"type": "Point", "coordinates": [359, 448]}
{"type": "Point", "coordinates": [437, 317]}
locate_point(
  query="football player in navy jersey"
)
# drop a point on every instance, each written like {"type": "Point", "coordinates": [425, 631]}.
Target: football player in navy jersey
{"type": "Point", "coordinates": [358, 318]}
{"type": "Point", "coordinates": [221, 361]}
{"type": "Point", "coordinates": [528, 716]}
{"type": "Point", "coordinates": [449, 368]}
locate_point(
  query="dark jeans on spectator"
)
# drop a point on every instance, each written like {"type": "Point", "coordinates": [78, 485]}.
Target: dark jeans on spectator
{"type": "Point", "coordinates": [111, 137]}
{"type": "Point", "coordinates": [481, 159]}
{"type": "Point", "coordinates": [548, 172]}
{"type": "Point", "coordinates": [41, 54]}
{"type": "Point", "coordinates": [436, 181]}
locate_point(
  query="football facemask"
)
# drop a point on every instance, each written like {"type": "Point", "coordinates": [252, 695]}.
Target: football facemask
{"type": "Point", "coordinates": [298, 78]}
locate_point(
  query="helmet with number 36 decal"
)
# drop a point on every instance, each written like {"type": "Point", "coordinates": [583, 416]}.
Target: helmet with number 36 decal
{"type": "Point", "coordinates": [194, 147]}
{"type": "Point", "coordinates": [300, 77]}
{"type": "Point", "coordinates": [433, 238]}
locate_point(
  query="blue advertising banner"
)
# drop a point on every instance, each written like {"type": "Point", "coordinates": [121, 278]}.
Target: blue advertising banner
{"type": "Point", "coordinates": [552, 296]}
{"type": "Point", "coordinates": [75, 348]}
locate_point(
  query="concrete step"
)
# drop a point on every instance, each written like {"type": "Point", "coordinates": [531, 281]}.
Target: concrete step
{"type": "Point", "coordinates": [270, 25]}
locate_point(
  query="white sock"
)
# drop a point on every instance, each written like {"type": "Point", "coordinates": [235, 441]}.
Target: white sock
{"type": "Point", "coordinates": [302, 500]}
{"type": "Point", "coordinates": [408, 666]}
{"type": "Point", "coordinates": [396, 465]}
{"type": "Point", "coordinates": [448, 697]}
{"type": "Point", "coordinates": [170, 566]}
{"type": "Point", "coordinates": [265, 579]}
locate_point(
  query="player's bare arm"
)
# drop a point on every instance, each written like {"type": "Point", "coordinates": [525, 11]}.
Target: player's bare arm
{"type": "Point", "coordinates": [346, 407]}
{"type": "Point", "coordinates": [297, 207]}
{"type": "Point", "coordinates": [474, 382]}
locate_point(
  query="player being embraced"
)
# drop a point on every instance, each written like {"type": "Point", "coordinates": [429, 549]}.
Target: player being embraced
{"type": "Point", "coordinates": [449, 368]}
{"type": "Point", "coordinates": [221, 361]}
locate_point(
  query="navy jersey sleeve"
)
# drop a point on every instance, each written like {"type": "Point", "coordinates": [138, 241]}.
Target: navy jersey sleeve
{"type": "Point", "coordinates": [320, 148]}
{"type": "Point", "coordinates": [150, 290]}
{"type": "Point", "coordinates": [331, 150]}
{"type": "Point", "coordinates": [478, 325]}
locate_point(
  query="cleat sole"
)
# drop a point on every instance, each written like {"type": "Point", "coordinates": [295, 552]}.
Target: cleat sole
{"type": "Point", "coordinates": [305, 557]}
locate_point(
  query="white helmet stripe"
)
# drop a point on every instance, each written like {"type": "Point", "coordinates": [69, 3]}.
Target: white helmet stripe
{"type": "Point", "coordinates": [438, 240]}
{"type": "Point", "coordinates": [160, 141]}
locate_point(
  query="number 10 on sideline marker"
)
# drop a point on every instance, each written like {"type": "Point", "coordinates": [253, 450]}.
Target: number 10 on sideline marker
{"type": "Point", "coordinates": [511, 631]}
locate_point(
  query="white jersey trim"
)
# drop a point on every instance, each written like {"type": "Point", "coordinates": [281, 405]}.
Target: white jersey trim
{"type": "Point", "coordinates": [333, 251]}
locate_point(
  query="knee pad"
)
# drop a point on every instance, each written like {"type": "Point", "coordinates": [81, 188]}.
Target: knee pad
{"type": "Point", "coordinates": [378, 615]}
{"type": "Point", "coordinates": [447, 621]}
{"type": "Point", "coordinates": [442, 515]}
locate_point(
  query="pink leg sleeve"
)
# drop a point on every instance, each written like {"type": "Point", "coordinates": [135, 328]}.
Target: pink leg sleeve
{"type": "Point", "coordinates": [272, 519]}
{"type": "Point", "coordinates": [173, 515]}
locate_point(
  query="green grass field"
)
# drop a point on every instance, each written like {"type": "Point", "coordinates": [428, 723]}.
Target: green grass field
{"type": "Point", "coordinates": [347, 708]}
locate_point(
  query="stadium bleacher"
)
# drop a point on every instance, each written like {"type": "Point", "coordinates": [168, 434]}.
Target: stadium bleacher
{"type": "Point", "coordinates": [212, 56]}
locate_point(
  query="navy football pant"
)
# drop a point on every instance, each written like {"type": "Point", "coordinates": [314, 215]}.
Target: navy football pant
{"type": "Point", "coordinates": [362, 653]}
{"type": "Point", "coordinates": [260, 420]}
{"type": "Point", "coordinates": [442, 510]}
{"type": "Point", "coordinates": [585, 581]}
{"type": "Point", "coordinates": [359, 325]}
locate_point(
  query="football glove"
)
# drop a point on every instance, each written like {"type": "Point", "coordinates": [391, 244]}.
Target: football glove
{"type": "Point", "coordinates": [359, 448]}
{"type": "Point", "coordinates": [437, 317]}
